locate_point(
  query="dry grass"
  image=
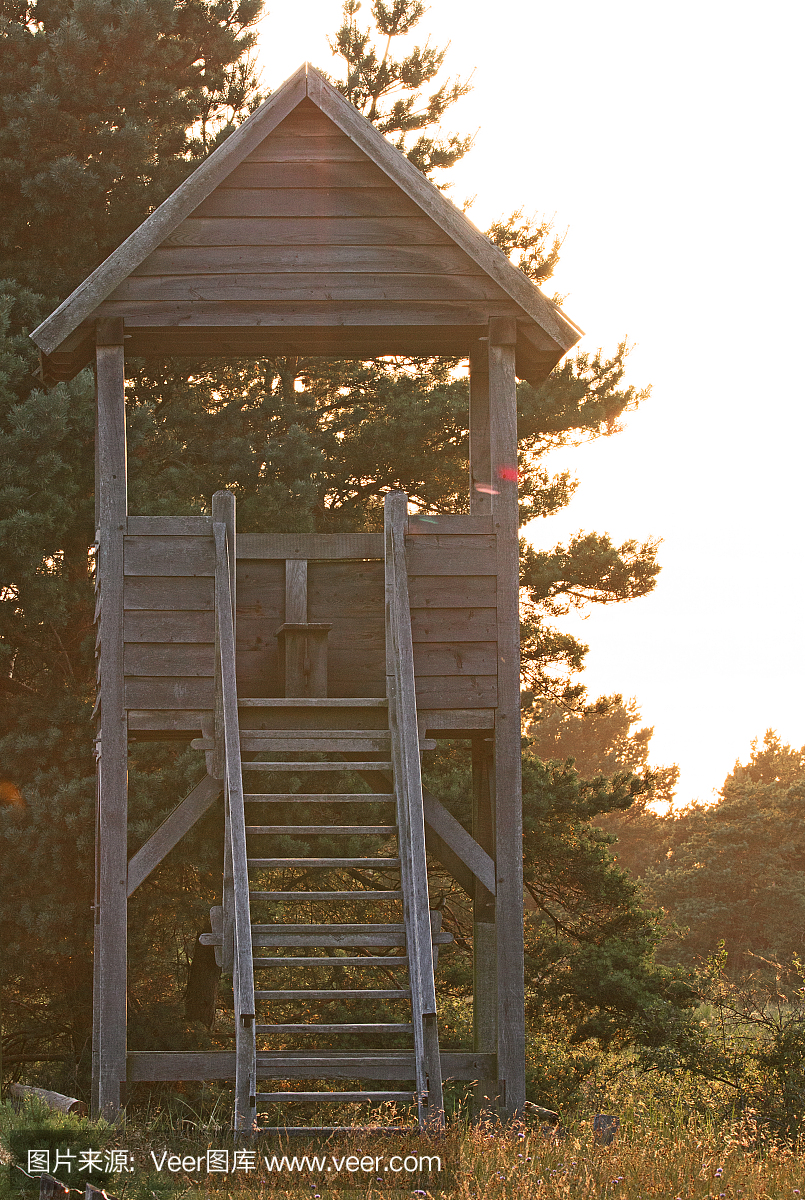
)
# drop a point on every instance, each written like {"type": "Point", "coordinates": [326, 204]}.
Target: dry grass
{"type": "Point", "coordinates": [693, 1160]}
{"type": "Point", "coordinates": [664, 1152]}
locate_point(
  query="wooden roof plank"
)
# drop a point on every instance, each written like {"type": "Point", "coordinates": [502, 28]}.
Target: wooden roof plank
{"type": "Point", "coordinates": [322, 203]}
{"type": "Point", "coordinates": [282, 147]}
{"type": "Point", "coordinates": [303, 286]}
{"type": "Point", "coordinates": [317, 173]}
{"type": "Point", "coordinates": [276, 314]}
{"type": "Point", "coordinates": [319, 257]}
{"type": "Point", "coordinates": [305, 231]}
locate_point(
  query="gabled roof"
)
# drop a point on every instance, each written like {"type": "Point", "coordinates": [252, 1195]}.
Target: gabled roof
{"type": "Point", "coordinates": [544, 333]}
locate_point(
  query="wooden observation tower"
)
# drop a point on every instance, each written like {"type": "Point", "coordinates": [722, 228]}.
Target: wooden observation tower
{"type": "Point", "coordinates": [305, 232]}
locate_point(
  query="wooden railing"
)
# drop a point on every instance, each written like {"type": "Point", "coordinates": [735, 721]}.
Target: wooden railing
{"type": "Point", "coordinates": [401, 692]}
{"type": "Point", "coordinates": [237, 919]}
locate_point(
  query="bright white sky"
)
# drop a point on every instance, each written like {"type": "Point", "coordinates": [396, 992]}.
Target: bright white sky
{"type": "Point", "coordinates": [667, 140]}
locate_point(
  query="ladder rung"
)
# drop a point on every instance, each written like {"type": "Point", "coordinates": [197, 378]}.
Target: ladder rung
{"type": "Point", "coordinates": [351, 1063]}
{"type": "Point", "coordinates": [326, 1130]}
{"type": "Point", "coordinates": [287, 742]}
{"type": "Point", "coordinates": [324, 941]}
{"type": "Point", "coordinates": [309, 830]}
{"type": "Point", "coordinates": [321, 939]}
{"type": "Point", "coordinates": [325, 735]}
{"type": "Point", "coordinates": [264, 1098]}
{"type": "Point", "coordinates": [335, 994]}
{"type": "Point", "coordinates": [317, 766]}
{"type": "Point", "coordinates": [333, 863]}
{"type": "Point", "coordinates": [366, 960]}
{"type": "Point", "coordinates": [328, 896]}
{"type": "Point", "coordinates": [313, 702]}
{"type": "Point", "coordinates": [376, 1027]}
{"type": "Point", "coordinates": [322, 927]}
{"type": "Point", "coordinates": [318, 797]}
{"type": "Point", "coordinates": [312, 743]}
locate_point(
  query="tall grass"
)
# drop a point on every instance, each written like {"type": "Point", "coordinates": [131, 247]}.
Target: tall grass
{"type": "Point", "coordinates": [662, 1150]}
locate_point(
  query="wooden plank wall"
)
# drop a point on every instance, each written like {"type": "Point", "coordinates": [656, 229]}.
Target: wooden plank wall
{"type": "Point", "coordinates": [168, 622]}
{"type": "Point", "coordinates": [308, 231]}
{"type": "Point", "coordinates": [452, 593]}
{"type": "Point", "coordinates": [169, 616]}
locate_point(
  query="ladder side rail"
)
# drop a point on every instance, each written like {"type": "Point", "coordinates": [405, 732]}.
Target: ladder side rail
{"type": "Point", "coordinates": [408, 779]}
{"type": "Point", "coordinates": [406, 883]}
{"type": "Point", "coordinates": [223, 511]}
{"type": "Point", "coordinates": [412, 847]}
{"type": "Point", "coordinates": [403, 825]}
{"type": "Point", "coordinates": [228, 895]}
{"type": "Point", "coordinates": [407, 745]}
{"type": "Point", "coordinates": [246, 1064]}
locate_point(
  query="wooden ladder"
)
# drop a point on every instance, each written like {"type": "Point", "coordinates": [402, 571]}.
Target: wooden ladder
{"type": "Point", "coordinates": [376, 866]}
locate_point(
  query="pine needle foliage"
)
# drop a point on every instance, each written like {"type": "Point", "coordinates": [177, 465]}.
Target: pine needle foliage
{"type": "Point", "coordinates": [105, 106]}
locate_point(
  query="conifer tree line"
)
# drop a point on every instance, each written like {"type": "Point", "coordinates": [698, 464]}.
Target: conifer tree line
{"type": "Point", "coordinates": [105, 107]}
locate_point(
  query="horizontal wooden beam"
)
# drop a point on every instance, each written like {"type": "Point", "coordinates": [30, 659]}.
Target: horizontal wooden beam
{"type": "Point", "coordinates": [451, 554]}
{"type": "Point", "coordinates": [245, 340]}
{"type": "Point", "coordinates": [150, 1066]}
{"type": "Point", "coordinates": [436, 523]}
{"type": "Point", "coordinates": [153, 724]}
{"type": "Point", "coordinates": [287, 233]}
{"type": "Point", "coordinates": [188, 693]}
{"type": "Point", "coordinates": [452, 722]}
{"type": "Point", "coordinates": [171, 554]}
{"type": "Point", "coordinates": [324, 259]}
{"type": "Point", "coordinates": [280, 314]}
{"type": "Point", "coordinates": [171, 593]}
{"type": "Point", "coordinates": [342, 287]}
{"type": "Point", "coordinates": [195, 526]}
{"type": "Point", "coordinates": [310, 546]}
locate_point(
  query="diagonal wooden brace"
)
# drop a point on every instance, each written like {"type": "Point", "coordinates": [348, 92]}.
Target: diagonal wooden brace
{"type": "Point", "coordinates": [172, 830]}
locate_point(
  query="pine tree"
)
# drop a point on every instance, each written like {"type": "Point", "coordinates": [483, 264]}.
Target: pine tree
{"type": "Point", "coordinates": [598, 739]}
{"type": "Point", "coordinates": [306, 444]}
{"type": "Point", "coordinates": [592, 981]}
{"type": "Point", "coordinates": [387, 90]}
{"type": "Point", "coordinates": [106, 107]}
{"type": "Point", "coordinates": [734, 872]}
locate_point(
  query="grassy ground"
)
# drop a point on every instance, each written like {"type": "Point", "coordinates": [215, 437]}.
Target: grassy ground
{"type": "Point", "coordinates": [659, 1151]}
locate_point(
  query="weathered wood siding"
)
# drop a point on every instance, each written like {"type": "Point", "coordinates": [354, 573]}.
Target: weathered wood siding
{"type": "Point", "coordinates": [168, 622]}
{"type": "Point", "coordinates": [452, 593]}
{"type": "Point", "coordinates": [308, 231]}
{"type": "Point", "coordinates": [169, 627]}
{"type": "Point", "coordinates": [347, 594]}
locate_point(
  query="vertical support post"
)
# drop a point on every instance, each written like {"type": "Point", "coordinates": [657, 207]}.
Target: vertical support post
{"type": "Point", "coordinates": [109, 985]}
{"type": "Point", "coordinates": [96, 907]}
{"type": "Point", "coordinates": [507, 765]}
{"type": "Point", "coordinates": [480, 462]}
{"type": "Point", "coordinates": [296, 591]}
{"type": "Point", "coordinates": [223, 512]}
{"type": "Point", "coordinates": [484, 952]}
